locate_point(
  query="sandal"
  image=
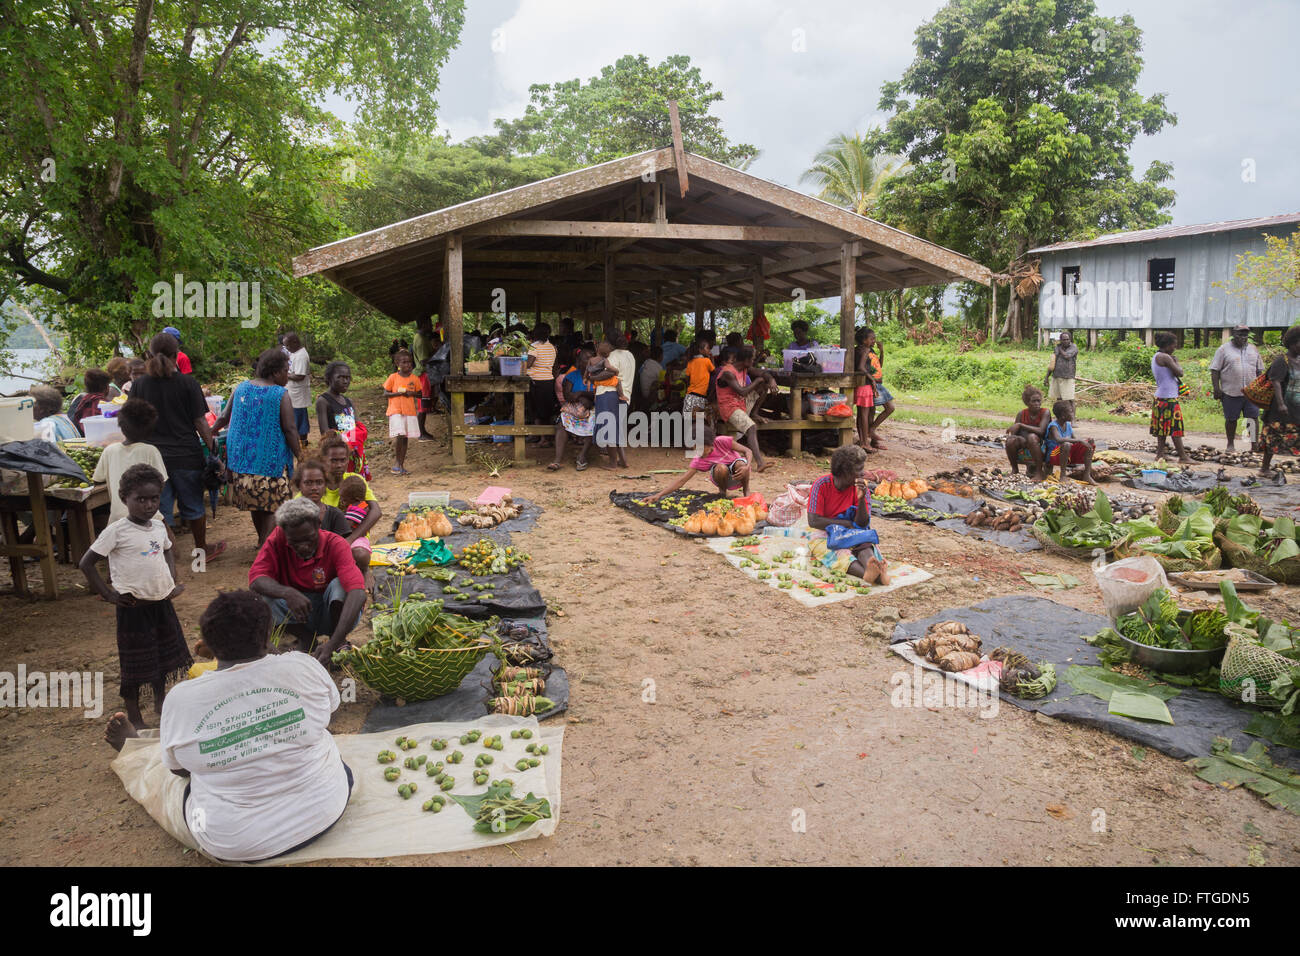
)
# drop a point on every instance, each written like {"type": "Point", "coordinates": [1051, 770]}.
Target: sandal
{"type": "Point", "coordinates": [582, 465]}
{"type": "Point", "coordinates": [553, 466]}
{"type": "Point", "coordinates": [216, 551]}
{"type": "Point", "coordinates": [399, 471]}
{"type": "Point", "coordinates": [875, 443]}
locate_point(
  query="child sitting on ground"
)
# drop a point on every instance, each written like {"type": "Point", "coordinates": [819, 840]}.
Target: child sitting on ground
{"type": "Point", "coordinates": [150, 643]}
{"type": "Point", "coordinates": [1062, 446]}
{"type": "Point", "coordinates": [726, 467]}
{"type": "Point", "coordinates": [352, 499]}
{"type": "Point", "coordinates": [1024, 442]}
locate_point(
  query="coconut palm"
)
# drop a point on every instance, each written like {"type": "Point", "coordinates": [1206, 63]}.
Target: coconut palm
{"type": "Point", "coordinates": [846, 172]}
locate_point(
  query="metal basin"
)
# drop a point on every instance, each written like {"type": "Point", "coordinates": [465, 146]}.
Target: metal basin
{"type": "Point", "coordinates": [1168, 661]}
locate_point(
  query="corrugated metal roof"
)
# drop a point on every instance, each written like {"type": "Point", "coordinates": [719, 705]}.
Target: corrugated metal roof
{"type": "Point", "coordinates": [1171, 232]}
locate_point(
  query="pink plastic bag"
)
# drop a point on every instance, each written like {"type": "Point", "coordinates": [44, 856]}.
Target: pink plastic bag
{"type": "Point", "coordinates": [789, 505]}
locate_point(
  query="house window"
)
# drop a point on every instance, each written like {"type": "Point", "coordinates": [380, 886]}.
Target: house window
{"type": "Point", "coordinates": [1160, 273]}
{"type": "Point", "coordinates": [1070, 280]}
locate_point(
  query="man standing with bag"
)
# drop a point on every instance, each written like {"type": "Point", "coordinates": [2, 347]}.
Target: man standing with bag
{"type": "Point", "coordinates": [1235, 365]}
{"type": "Point", "coordinates": [1061, 372]}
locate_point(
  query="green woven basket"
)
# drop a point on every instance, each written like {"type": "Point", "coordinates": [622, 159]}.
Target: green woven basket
{"type": "Point", "coordinates": [419, 674]}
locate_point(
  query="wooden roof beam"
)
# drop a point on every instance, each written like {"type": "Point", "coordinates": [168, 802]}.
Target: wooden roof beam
{"type": "Point", "coordinates": [650, 230]}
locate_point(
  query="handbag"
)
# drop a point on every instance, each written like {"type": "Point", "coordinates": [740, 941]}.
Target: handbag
{"type": "Point", "coordinates": [1260, 391]}
{"type": "Point", "coordinates": [806, 363]}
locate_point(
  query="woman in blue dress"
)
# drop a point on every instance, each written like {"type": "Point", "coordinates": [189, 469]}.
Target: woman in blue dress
{"type": "Point", "coordinates": [262, 442]}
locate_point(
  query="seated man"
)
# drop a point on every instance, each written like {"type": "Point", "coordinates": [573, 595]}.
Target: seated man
{"type": "Point", "coordinates": [252, 736]}
{"type": "Point", "coordinates": [309, 578]}
{"type": "Point", "coordinates": [841, 499]}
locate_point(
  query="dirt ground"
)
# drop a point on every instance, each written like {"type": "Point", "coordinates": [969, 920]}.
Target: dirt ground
{"type": "Point", "coordinates": [765, 714]}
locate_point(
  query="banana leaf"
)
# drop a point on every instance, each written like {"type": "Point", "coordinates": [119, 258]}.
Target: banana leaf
{"type": "Point", "coordinates": [1138, 706]}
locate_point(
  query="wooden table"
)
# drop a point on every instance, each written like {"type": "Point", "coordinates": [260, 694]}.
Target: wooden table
{"type": "Point", "coordinates": [518, 385]}
{"type": "Point", "coordinates": [798, 383]}
{"type": "Point", "coordinates": [76, 503]}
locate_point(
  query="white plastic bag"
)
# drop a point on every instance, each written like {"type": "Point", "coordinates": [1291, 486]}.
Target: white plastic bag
{"type": "Point", "coordinates": [1122, 596]}
{"type": "Point", "coordinates": [789, 505]}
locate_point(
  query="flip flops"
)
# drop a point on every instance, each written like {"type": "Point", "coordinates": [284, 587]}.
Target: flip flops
{"type": "Point", "coordinates": [582, 465]}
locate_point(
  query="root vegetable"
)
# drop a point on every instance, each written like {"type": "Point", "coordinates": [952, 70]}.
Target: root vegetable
{"type": "Point", "coordinates": [959, 661]}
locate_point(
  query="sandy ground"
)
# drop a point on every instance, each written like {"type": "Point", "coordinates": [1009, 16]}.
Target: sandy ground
{"type": "Point", "coordinates": [765, 715]}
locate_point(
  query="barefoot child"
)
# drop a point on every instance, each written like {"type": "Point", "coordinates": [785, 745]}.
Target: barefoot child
{"type": "Point", "coordinates": [1024, 443]}
{"type": "Point", "coordinates": [726, 467]}
{"type": "Point", "coordinates": [150, 644]}
{"type": "Point", "coordinates": [841, 500]}
{"type": "Point", "coordinates": [864, 398]}
{"type": "Point", "coordinates": [402, 389]}
{"type": "Point", "coordinates": [1063, 447]}
{"type": "Point", "coordinates": [609, 420]}
{"type": "Point", "coordinates": [352, 499]}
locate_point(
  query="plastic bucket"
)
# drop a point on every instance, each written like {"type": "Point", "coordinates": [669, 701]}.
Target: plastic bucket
{"type": "Point", "coordinates": [511, 365]}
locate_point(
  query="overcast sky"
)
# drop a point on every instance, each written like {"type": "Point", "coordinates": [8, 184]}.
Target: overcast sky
{"type": "Point", "coordinates": [1228, 70]}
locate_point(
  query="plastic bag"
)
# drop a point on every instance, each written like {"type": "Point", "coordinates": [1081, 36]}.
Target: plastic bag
{"type": "Point", "coordinates": [789, 505]}
{"type": "Point", "coordinates": [1123, 596]}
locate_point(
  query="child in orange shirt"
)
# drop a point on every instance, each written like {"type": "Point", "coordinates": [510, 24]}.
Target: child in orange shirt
{"type": "Point", "coordinates": [698, 370]}
{"type": "Point", "coordinates": [403, 391]}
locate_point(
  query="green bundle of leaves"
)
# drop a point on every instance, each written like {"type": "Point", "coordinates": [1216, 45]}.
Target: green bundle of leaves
{"type": "Point", "coordinates": [1274, 538]}
{"type": "Point", "coordinates": [1276, 636]}
{"type": "Point", "coordinates": [1094, 529]}
{"type": "Point", "coordinates": [1193, 539]}
{"type": "Point", "coordinates": [1155, 623]}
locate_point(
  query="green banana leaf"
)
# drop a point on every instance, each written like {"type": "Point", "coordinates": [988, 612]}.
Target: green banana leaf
{"type": "Point", "coordinates": [1125, 703]}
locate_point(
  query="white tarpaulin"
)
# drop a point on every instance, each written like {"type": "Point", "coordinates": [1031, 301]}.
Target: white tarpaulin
{"type": "Point", "coordinates": [377, 822]}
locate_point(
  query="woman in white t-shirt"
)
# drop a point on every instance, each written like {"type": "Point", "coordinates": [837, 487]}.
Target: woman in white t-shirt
{"type": "Point", "coordinates": [266, 777]}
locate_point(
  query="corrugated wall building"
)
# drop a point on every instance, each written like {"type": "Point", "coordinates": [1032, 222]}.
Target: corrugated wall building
{"type": "Point", "coordinates": [1159, 279]}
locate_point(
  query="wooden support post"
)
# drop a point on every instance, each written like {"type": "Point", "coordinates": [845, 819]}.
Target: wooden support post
{"type": "Point", "coordinates": [537, 309]}
{"type": "Point", "coordinates": [699, 305]}
{"type": "Point", "coordinates": [1150, 336]}
{"type": "Point", "coordinates": [457, 416]}
{"type": "Point", "coordinates": [453, 319]}
{"type": "Point", "coordinates": [756, 304]}
{"type": "Point", "coordinates": [659, 315]}
{"type": "Point", "coordinates": [1092, 338]}
{"type": "Point", "coordinates": [41, 529]}
{"type": "Point", "coordinates": [993, 311]}
{"type": "Point", "coordinates": [796, 414]}
{"type": "Point", "coordinates": [1227, 337]}
{"type": "Point", "coordinates": [608, 315]}
{"type": "Point", "coordinates": [848, 294]}
{"type": "Point", "coordinates": [521, 447]}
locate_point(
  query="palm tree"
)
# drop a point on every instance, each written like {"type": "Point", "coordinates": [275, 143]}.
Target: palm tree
{"type": "Point", "coordinates": [848, 174]}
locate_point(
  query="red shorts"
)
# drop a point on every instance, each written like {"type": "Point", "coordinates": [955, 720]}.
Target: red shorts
{"type": "Point", "coordinates": [1076, 454]}
{"type": "Point", "coordinates": [426, 393]}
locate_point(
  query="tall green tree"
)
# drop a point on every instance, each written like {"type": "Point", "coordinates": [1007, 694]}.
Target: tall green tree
{"type": "Point", "coordinates": [1017, 118]}
{"type": "Point", "coordinates": [848, 173]}
{"type": "Point", "coordinates": [144, 139]}
{"type": "Point", "coordinates": [622, 111]}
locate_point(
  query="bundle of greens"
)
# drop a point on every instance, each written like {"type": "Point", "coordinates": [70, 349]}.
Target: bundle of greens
{"type": "Point", "coordinates": [1093, 529]}
{"type": "Point", "coordinates": [1224, 504]}
{"type": "Point", "coordinates": [1274, 539]}
{"type": "Point", "coordinates": [1193, 540]}
{"type": "Point", "coordinates": [1159, 623]}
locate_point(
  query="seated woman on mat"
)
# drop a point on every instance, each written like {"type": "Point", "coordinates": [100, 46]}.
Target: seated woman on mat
{"type": "Point", "coordinates": [726, 467]}
{"type": "Point", "coordinates": [841, 500]}
{"type": "Point", "coordinates": [266, 777]}
{"type": "Point", "coordinates": [1063, 446]}
{"type": "Point", "coordinates": [1024, 442]}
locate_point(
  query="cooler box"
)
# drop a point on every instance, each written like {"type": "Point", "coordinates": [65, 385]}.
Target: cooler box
{"type": "Point", "coordinates": [832, 360]}
{"type": "Point", "coordinates": [16, 419]}
{"type": "Point", "coordinates": [503, 439]}
{"type": "Point", "coordinates": [819, 403]}
{"type": "Point", "coordinates": [511, 366]}
{"type": "Point", "coordinates": [788, 357]}
{"type": "Point", "coordinates": [100, 430]}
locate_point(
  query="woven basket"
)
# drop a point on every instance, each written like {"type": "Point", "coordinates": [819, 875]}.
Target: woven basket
{"type": "Point", "coordinates": [1286, 571]}
{"type": "Point", "coordinates": [419, 674]}
{"type": "Point", "coordinates": [1246, 660]}
{"type": "Point", "coordinates": [1079, 554]}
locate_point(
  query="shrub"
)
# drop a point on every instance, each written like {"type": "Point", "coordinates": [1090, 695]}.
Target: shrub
{"type": "Point", "coordinates": [1135, 360]}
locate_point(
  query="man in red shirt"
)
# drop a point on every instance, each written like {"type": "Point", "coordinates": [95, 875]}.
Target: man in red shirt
{"type": "Point", "coordinates": [841, 498]}
{"type": "Point", "coordinates": [182, 360]}
{"type": "Point", "coordinates": [309, 578]}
